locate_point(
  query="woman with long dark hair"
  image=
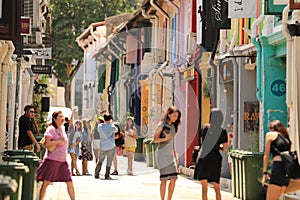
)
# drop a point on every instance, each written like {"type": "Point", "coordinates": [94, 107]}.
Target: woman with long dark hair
{"type": "Point", "coordinates": [277, 140]}
{"type": "Point", "coordinates": [54, 167]}
{"type": "Point", "coordinates": [130, 142]}
{"type": "Point", "coordinates": [166, 158]}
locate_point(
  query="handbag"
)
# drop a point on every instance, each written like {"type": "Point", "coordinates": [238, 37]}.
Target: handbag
{"type": "Point", "coordinates": [50, 148]}
{"type": "Point", "coordinates": [290, 162]}
{"type": "Point", "coordinates": [165, 130]}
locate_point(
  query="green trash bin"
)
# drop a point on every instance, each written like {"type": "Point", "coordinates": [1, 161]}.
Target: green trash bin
{"type": "Point", "coordinates": [8, 187]}
{"type": "Point", "coordinates": [28, 189]}
{"type": "Point", "coordinates": [18, 152]}
{"type": "Point", "coordinates": [16, 170]}
{"type": "Point", "coordinates": [139, 154]}
{"type": "Point", "coordinates": [149, 153]}
{"type": "Point", "coordinates": [252, 162]}
{"type": "Point", "coordinates": [154, 147]}
{"type": "Point", "coordinates": [233, 155]}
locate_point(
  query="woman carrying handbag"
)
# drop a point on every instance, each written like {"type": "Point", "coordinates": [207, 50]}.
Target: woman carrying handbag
{"type": "Point", "coordinates": [276, 140]}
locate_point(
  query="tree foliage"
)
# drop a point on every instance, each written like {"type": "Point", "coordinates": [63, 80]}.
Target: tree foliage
{"type": "Point", "coordinates": [69, 19]}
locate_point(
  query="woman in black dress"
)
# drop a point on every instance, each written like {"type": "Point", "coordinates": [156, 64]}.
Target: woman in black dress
{"type": "Point", "coordinates": [208, 168]}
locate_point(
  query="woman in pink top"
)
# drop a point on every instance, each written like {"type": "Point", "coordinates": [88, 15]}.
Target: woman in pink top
{"type": "Point", "coordinates": [54, 167]}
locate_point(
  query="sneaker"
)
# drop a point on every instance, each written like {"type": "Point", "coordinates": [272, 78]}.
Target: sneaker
{"type": "Point", "coordinates": [96, 176]}
{"type": "Point", "coordinates": [115, 173]}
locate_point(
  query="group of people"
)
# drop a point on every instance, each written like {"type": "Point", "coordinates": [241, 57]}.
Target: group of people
{"type": "Point", "coordinates": [107, 138]}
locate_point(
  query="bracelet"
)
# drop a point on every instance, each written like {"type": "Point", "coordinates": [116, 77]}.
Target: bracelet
{"type": "Point", "coordinates": [265, 173]}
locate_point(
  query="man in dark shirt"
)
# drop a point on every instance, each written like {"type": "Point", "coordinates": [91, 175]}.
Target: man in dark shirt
{"type": "Point", "coordinates": [26, 138]}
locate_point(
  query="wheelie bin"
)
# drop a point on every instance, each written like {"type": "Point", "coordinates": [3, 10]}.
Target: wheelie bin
{"type": "Point", "coordinates": [16, 170]}
{"type": "Point", "coordinates": [139, 155]}
{"type": "Point", "coordinates": [252, 162]}
{"type": "Point", "coordinates": [8, 186]}
{"type": "Point", "coordinates": [149, 153]}
{"type": "Point", "coordinates": [28, 189]}
{"type": "Point", "coordinates": [154, 147]}
{"type": "Point", "coordinates": [18, 152]}
{"type": "Point", "coordinates": [234, 177]}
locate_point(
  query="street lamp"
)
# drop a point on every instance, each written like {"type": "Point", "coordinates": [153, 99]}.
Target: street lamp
{"type": "Point", "coordinates": [294, 4]}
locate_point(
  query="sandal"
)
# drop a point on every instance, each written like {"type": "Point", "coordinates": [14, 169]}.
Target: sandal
{"type": "Point", "coordinates": [115, 173]}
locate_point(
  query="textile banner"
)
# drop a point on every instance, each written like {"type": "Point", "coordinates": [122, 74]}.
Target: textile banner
{"type": "Point", "coordinates": [242, 9]}
{"type": "Point", "coordinates": [217, 14]}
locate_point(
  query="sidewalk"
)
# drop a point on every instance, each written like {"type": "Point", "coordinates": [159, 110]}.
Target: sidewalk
{"type": "Point", "coordinates": [143, 185]}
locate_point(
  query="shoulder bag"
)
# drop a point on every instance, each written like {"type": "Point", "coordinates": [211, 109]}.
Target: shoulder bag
{"type": "Point", "coordinates": [165, 130]}
{"type": "Point", "coordinates": [290, 162]}
{"type": "Point", "coordinates": [50, 148]}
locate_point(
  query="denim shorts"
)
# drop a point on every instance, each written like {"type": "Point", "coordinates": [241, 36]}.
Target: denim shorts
{"type": "Point", "coordinates": [278, 176]}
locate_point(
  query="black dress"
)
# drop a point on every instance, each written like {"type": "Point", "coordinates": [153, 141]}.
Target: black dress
{"type": "Point", "coordinates": [209, 167]}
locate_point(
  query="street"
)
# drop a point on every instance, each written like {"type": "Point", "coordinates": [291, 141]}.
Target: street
{"type": "Point", "coordinates": [143, 185]}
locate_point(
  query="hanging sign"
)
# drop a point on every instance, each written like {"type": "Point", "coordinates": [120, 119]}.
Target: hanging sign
{"type": "Point", "coordinates": [241, 9]}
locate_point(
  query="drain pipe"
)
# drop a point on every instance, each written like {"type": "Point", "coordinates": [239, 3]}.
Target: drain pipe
{"type": "Point", "coordinates": [152, 2]}
{"type": "Point", "coordinates": [289, 40]}
{"type": "Point", "coordinates": [155, 17]}
{"type": "Point", "coordinates": [196, 67]}
{"type": "Point", "coordinates": [257, 44]}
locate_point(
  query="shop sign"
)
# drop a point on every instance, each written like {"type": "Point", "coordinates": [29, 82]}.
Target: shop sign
{"type": "Point", "coordinates": [42, 53]}
{"type": "Point", "coordinates": [25, 25]}
{"type": "Point", "coordinates": [41, 69]}
{"type": "Point", "coordinates": [226, 72]}
{"type": "Point", "coordinates": [189, 74]}
{"type": "Point", "coordinates": [251, 116]}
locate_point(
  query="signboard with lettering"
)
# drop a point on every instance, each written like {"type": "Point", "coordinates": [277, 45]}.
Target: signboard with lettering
{"type": "Point", "coordinates": [25, 25]}
{"type": "Point", "coordinates": [41, 69]}
{"type": "Point", "coordinates": [251, 116]}
{"type": "Point", "coordinates": [241, 9]}
{"type": "Point", "coordinates": [43, 53]}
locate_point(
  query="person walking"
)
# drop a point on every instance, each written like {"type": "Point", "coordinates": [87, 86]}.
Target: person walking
{"type": "Point", "coordinates": [86, 147]}
{"type": "Point", "coordinates": [277, 140]}
{"type": "Point", "coordinates": [26, 138]}
{"type": "Point", "coordinates": [130, 142]}
{"type": "Point", "coordinates": [96, 139]}
{"type": "Point", "coordinates": [74, 141]}
{"type": "Point", "coordinates": [165, 154]}
{"type": "Point", "coordinates": [208, 167]}
{"type": "Point", "coordinates": [119, 141]}
{"type": "Point", "coordinates": [107, 145]}
{"type": "Point", "coordinates": [54, 167]}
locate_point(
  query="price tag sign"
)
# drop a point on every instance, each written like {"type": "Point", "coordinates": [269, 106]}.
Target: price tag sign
{"type": "Point", "coordinates": [278, 87]}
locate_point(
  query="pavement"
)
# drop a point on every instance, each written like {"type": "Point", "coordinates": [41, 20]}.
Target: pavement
{"type": "Point", "coordinates": [142, 185]}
